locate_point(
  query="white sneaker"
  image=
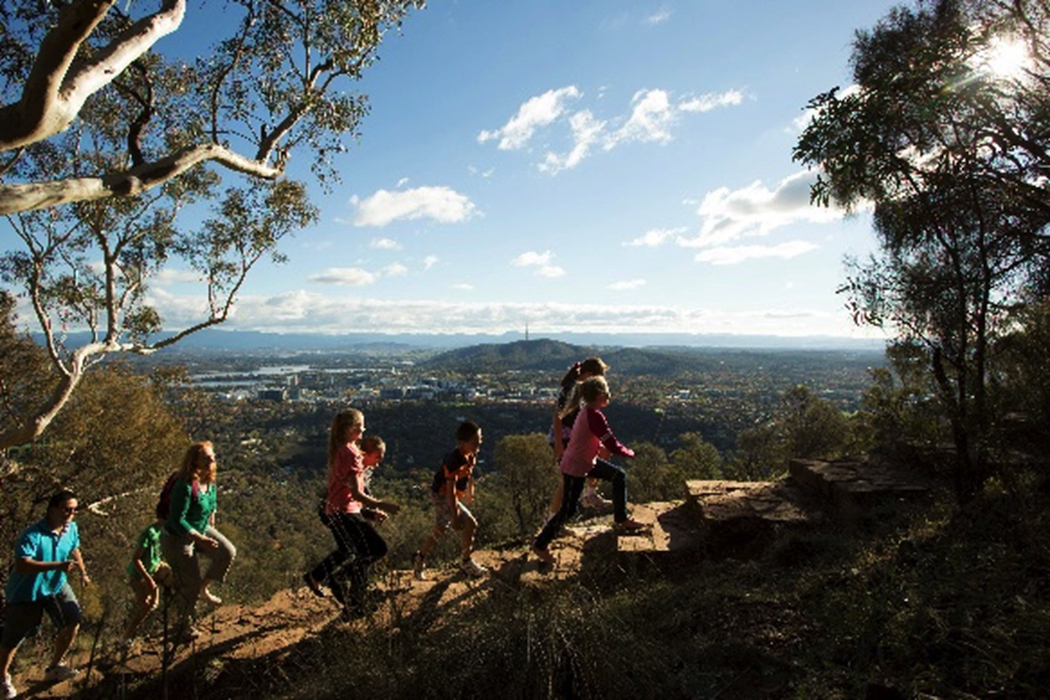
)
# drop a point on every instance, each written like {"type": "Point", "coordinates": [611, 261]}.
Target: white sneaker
{"type": "Point", "coordinates": [472, 568]}
{"type": "Point", "coordinates": [594, 500]}
{"type": "Point", "coordinates": [8, 688]}
{"type": "Point", "coordinates": [59, 673]}
{"type": "Point", "coordinates": [419, 567]}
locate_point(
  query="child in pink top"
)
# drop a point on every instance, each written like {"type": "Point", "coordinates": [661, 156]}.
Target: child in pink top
{"type": "Point", "coordinates": [356, 540]}
{"type": "Point", "coordinates": [590, 433]}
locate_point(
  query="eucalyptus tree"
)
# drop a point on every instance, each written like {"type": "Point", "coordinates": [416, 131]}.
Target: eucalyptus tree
{"type": "Point", "coordinates": [945, 134]}
{"type": "Point", "coordinates": [110, 137]}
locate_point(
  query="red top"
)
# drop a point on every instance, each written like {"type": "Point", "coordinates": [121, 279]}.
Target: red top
{"type": "Point", "coordinates": [349, 467]}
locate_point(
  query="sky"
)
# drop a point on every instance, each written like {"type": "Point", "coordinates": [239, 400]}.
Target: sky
{"type": "Point", "coordinates": [607, 166]}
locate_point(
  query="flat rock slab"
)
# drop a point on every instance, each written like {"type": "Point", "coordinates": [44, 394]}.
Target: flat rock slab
{"type": "Point", "coordinates": [673, 527]}
{"type": "Point", "coordinates": [858, 483]}
{"type": "Point", "coordinates": [769, 501]}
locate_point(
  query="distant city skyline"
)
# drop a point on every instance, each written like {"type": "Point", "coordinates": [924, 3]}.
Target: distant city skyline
{"type": "Point", "coordinates": [585, 167]}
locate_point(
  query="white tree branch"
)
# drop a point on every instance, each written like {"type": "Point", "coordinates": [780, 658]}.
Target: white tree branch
{"type": "Point", "coordinates": [38, 195]}
{"type": "Point", "coordinates": [57, 88]}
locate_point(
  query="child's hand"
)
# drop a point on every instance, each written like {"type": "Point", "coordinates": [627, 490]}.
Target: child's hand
{"type": "Point", "coordinates": [380, 516]}
{"type": "Point", "coordinates": [390, 508]}
{"type": "Point", "coordinates": [628, 453]}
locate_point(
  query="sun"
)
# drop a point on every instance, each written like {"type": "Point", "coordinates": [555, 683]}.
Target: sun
{"type": "Point", "coordinates": [1005, 57]}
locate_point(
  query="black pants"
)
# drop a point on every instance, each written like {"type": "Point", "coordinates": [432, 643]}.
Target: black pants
{"type": "Point", "coordinates": [359, 544]}
{"type": "Point", "coordinates": [570, 499]}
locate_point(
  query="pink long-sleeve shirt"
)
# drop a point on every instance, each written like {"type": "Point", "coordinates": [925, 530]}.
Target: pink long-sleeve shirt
{"type": "Point", "coordinates": [589, 432]}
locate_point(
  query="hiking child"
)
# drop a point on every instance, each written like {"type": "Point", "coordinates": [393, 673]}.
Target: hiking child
{"type": "Point", "coordinates": [590, 433]}
{"type": "Point", "coordinates": [147, 572]}
{"type": "Point", "coordinates": [561, 430]}
{"type": "Point", "coordinates": [44, 554]}
{"type": "Point", "coordinates": [373, 450]}
{"type": "Point", "coordinates": [451, 492]}
{"type": "Point", "coordinates": [357, 542]}
{"type": "Point", "coordinates": [189, 532]}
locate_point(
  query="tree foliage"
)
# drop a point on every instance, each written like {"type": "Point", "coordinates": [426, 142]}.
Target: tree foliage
{"type": "Point", "coordinates": [107, 136]}
{"type": "Point", "coordinates": [950, 145]}
{"type": "Point", "coordinates": [526, 478]}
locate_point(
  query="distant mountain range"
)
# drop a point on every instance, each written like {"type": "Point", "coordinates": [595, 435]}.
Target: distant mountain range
{"type": "Point", "coordinates": [253, 341]}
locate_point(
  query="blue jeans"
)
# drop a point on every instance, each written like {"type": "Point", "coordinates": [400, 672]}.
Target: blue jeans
{"type": "Point", "coordinates": [570, 500]}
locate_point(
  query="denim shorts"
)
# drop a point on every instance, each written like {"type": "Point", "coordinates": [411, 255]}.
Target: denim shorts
{"type": "Point", "coordinates": [22, 620]}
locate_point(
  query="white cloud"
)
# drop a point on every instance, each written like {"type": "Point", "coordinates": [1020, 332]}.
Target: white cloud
{"type": "Point", "coordinates": [170, 275]}
{"type": "Point", "coordinates": [586, 131]}
{"type": "Point", "coordinates": [347, 276]}
{"type": "Point", "coordinates": [710, 101]}
{"type": "Point", "coordinates": [755, 210]}
{"type": "Point", "coordinates": [658, 17]}
{"type": "Point", "coordinates": [732, 255]}
{"type": "Point", "coordinates": [534, 113]}
{"type": "Point", "coordinates": [541, 261]}
{"type": "Point", "coordinates": [655, 237]}
{"type": "Point", "coordinates": [402, 182]}
{"type": "Point", "coordinates": [650, 120]}
{"type": "Point", "coordinates": [463, 286]}
{"type": "Point", "coordinates": [430, 261]}
{"type": "Point", "coordinates": [395, 270]}
{"type": "Point", "coordinates": [384, 244]}
{"type": "Point", "coordinates": [626, 284]}
{"type": "Point", "coordinates": [441, 204]}
{"type": "Point", "coordinates": [312, 312]}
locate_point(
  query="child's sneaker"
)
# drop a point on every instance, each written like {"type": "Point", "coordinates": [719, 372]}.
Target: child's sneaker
{"type": "Point", "coordinates": [419, 567]}
{"type": "Point", "coordinates": [7, 687]}
{"type": "Point", "coordinates": [594, 501]}
{"type": "Point", "coordinates": [59, 673]}
{"type": "Point", "coordinates": [472, 568]}
{"type": "Point", "coordinates": [631, 526]}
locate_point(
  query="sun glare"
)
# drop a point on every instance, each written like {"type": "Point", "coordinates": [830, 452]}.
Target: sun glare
{"type": "Point", "coordinates": [1005, 57]}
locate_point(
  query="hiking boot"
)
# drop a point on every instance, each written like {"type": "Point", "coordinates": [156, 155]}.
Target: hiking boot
{"type": "Point", "coordinates": [472, 568]}
{"type": "Point", "coordinates": [7, 688]}
{"type": "Point", "coordinates": [59, 673]}
{"type": "Point", "coordinates": [419, 567]}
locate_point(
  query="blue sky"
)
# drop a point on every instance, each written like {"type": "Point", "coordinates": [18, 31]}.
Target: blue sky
{"type": "Point", "coordinates": [576, 165]}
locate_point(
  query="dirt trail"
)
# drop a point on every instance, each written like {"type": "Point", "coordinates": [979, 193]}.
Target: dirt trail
{"type": "Point", "coordinates": [273, 629]}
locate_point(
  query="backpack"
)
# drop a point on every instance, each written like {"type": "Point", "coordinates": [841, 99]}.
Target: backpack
{"type": "Point", "coordinates": [164, 501]}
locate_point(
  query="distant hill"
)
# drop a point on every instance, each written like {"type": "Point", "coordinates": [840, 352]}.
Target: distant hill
{"type": "Point", "coordinates": [554, 356]}
{"type": "Point", "coordinates": [543, 354]}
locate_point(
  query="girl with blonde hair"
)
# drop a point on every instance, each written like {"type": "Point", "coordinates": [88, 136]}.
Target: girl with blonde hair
{"type": "Point", "coordinates": [357, 542]}
{"type": "Point", "coordinates": [189, 532]}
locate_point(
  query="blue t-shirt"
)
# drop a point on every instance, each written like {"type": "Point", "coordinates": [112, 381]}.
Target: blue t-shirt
{"type": "Point", "coordinates": [40, 543]}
